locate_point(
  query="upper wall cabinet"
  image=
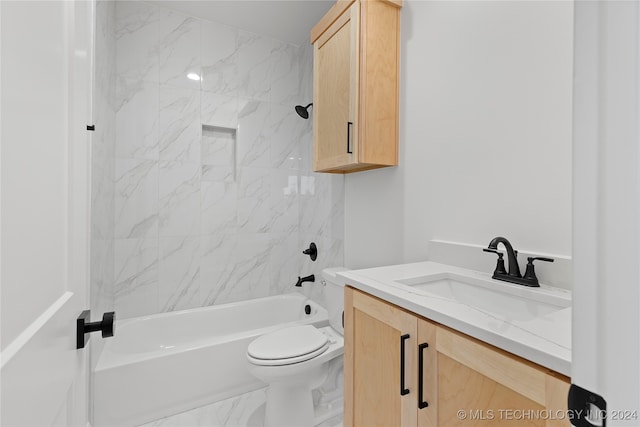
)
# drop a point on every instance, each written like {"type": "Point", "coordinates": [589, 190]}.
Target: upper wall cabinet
{"type": "Point", "coordinates": [356, 86]}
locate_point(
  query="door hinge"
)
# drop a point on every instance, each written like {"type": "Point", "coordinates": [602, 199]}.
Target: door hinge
{"type": "Point", "coordinates": [586, 409]}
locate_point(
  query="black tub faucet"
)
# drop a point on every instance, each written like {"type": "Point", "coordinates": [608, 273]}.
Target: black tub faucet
{"type": "Point", "coordinates": [301, 280]}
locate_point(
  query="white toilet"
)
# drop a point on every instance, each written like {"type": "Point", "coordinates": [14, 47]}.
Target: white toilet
{"type": "Point", "coordinates": [295, 360]}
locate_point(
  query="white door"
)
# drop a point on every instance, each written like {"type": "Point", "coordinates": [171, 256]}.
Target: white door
{"type": "Point", "coordinates": [606, 208]}
{"type": "Point", "coordinates": [46, 58]}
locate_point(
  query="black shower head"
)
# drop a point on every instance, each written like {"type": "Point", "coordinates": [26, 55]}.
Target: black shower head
{"type": "Point", "coordinates": [303, 111]}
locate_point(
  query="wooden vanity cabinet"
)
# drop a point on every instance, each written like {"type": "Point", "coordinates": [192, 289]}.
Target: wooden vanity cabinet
{"type": "Point", "coordinates": [465, 382]}
{"type": "Point", "coordinates": [356, 91]}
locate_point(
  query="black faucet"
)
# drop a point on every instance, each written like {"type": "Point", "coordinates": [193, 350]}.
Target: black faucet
{"type": "Point", "coordinates": [301, 280]}
{"type": "Point", "coordinates": [513, 276]}
{"type": "Point", "coordinates": [512, 256]}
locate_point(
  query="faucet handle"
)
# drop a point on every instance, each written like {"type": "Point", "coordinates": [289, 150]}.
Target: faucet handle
{"type": "Point", "coordinates": [500, 269]}
{"type": "Point", "coordinates": [539, 258]}
{"type": "Point", "coordinates": [530, 272]}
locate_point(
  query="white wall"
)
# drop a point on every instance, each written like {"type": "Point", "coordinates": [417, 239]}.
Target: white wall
{"type": "Point", "coordinates": [485, 135]}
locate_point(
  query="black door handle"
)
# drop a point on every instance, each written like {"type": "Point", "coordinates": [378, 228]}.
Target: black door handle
{"type": "Point", "coordinates": [83, 326]}
{"type": "Point", "coordinates": [421, 402]}
{"type": "Point", "coordinates": [403, 390]}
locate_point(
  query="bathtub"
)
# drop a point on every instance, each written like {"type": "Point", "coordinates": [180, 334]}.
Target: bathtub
{"type": "Point", "coordinates": [164, 364]}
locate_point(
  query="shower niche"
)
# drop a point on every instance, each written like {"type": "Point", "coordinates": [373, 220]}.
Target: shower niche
{"type": "Point", "coordinates": [219, 153]}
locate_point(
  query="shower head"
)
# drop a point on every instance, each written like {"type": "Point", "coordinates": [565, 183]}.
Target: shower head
{"type": "Point", "coordinates": [303, 111]}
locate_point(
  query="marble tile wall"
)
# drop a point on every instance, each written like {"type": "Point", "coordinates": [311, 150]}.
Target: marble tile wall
{"type": "Point", "coordinates": [214, 199]}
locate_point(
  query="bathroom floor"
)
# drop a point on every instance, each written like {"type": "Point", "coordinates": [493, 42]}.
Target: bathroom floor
{"type": "Point", "coordinates": [246, 410]}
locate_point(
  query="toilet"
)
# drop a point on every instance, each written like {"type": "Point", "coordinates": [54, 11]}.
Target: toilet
{"type": "Point", "coordinates": [295, 360]}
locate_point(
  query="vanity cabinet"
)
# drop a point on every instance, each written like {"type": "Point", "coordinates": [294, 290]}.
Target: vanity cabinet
{"type": "Point", "coordinates": [451, 378]}
{"type": "Point", "coordinates": [356, 88]}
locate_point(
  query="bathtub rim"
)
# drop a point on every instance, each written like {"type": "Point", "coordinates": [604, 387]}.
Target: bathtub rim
{"type": "Point", "coordinates": [109, 360]}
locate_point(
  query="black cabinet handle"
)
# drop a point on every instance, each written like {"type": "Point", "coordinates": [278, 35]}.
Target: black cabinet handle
{"type": "Point", "coordinates": [421, 402]}
{"type": "Point", "coordinates": [349, 124]}
{"type": "Point", "coordinates": [403, 390]}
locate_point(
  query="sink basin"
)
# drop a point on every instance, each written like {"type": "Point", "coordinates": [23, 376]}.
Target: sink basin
{"type": "Point", "coordinates": [506, 301]}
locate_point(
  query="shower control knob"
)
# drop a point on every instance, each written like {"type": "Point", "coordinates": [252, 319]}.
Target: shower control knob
{"type": "Point", "coordinates": [84, 327]}
{"type": "Point", "coordinates": [312, 251]}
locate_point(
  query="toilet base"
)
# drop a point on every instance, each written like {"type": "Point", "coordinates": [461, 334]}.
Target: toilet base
{"type": "Point", "coordinates": [289, 405]}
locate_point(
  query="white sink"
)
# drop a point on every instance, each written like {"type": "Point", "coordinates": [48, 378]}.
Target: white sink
{"type": "Point", "coordinates": [506, 301]}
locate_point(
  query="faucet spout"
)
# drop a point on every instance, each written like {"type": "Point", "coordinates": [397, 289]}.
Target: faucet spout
{"type": "Point", "coordinates": [512, 256]}
{"type": "Point", "coordinates": [301, 280]}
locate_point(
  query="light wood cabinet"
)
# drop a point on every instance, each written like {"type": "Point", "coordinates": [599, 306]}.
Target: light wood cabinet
{"type": "Point", "coordinates": [356, 86]}
{"type": "Point", "coordinates": [453, 379]}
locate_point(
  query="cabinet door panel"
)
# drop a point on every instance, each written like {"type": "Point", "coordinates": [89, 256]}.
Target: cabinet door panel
{"type": "Point", "coordinates": [483, 401]}
{"type": "Point", "coordinates": [334, 93]}
{"type": "Point", "coordinates": [373, 363]}
{"type": "Point", "coordinates": [376, 373]}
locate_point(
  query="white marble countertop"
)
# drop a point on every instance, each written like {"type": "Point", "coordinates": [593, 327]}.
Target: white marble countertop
{"type": "Point", "coordinates": [545, 339]}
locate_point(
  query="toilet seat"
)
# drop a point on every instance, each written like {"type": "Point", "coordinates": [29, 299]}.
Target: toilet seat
{"type": "Point", "coordinates": [288, 346]}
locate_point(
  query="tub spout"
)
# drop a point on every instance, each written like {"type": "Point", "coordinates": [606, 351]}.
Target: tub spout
{"type": "Point", "coordinates": [301, 280]}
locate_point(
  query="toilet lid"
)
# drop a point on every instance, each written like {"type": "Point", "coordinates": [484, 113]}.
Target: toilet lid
{"type": "Point", "coordinates": [297, 342]}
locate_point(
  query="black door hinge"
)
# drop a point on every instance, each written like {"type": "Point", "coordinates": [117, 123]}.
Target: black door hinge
{"type": "Point", "coordinates": [586, 409]}
{"type": "Point", "coordinates": [91, 127]}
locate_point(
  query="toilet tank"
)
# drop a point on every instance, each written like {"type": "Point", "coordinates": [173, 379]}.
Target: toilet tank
{"type": "Point", "coordinates": [334, 294]}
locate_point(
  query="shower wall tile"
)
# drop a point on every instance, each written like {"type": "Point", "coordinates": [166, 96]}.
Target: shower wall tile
{"type": "Point", "coordinates": [137, 121]}
{"type": "Point", "coordinates": [179, 273]}
{"type": "Point", "coordinates": [286, 132]}
{"type": "Point", "coordinates": [284, 269]}
{"type": "Point", "coordinates": [244, 276]}
{"type": "Point", "coordinates": [255, 66]}
{"type": "Point", "coordinates": [283, 204]}
{"type": "Point", "coordinates": [219, 56]}
{"type": "Point", "coordinates": [180, 129]}
{"type": "Point", "coordinates": [137, 35]}
{"type": "Point", "coordinates": [136, 198]}
{"type": "Point", "coordinates": [179, 49]}
{"type": "Point", "coordinates": [305, 83]}
{"type": "Point", "coordinates": [214, 173]}
{"type": "Point", "coordinates": [285, 75]}
{"type": "Point", "coordinates": [136, 277]}
{"type": "Point", "coordinates": [254, 213]}
{"type": "Point", "coordinates": [219, 207]}
{"type": "Point", "coordinates": [179, 198]}
{"type": "Point", "coordinates": [253, 143]}
{"type": "Point", "coordinates": [321, 204]}
{"type": "Point", "coordinates": [219, 110]}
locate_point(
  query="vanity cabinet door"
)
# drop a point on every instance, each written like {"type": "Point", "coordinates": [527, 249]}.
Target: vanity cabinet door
{"type": "Point", "coordinates": [480, 385]}
{"type": "Point", "coordinates": [379, 346]}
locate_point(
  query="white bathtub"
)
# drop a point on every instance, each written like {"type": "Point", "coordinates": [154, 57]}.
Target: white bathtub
{"type": "Point", "coordinates": [164, 364]}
